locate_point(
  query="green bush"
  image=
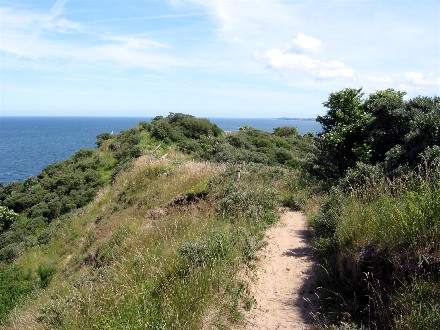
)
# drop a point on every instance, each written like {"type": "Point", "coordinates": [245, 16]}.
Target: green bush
{"type": "Point", "coordinates": [361, 176]}
{"type": "Point", "coordinates": [9, 253]}
{"type": "Point", "coordinates": [15, 283]}
{"type": "Point", "coordinates": [100, 138]}
{"type": "Point", "coordinates": [286, 131]}
{"type": "Point", "coordinates": [45, 273]}
{"type": "Point", "coordinates": [194, 253]}
{"type": "Point", "coordinates": [178, 127]}
{"type": "Point", "coordinates": [7, 217]}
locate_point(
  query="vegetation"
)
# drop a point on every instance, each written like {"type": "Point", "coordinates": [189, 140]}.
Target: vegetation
{"type": "Point", "coordinates": [156, 226]}
{"type": "Point", "coordinates": [382, 129]}
{"type": "Point", "coordinates": [151, 236]}
{"type": "Point", "coordinates": [378, 227]}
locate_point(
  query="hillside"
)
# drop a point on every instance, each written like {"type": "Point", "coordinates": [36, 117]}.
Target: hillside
{"type": "Point", "coordinates": [161, 242]}
{"type": "Point", "coordinates": [159, 226]}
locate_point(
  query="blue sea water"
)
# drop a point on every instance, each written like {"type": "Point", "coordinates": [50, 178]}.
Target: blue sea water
{"type": "Point", "coordinates": [29, 144]}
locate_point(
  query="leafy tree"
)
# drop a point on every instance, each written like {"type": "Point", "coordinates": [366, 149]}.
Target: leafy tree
{"type": "Point", "coordinates": [390, 121]}
{"type": "Point", "coordinates": [425, 127]}
{"type": "Point", "coordinates": [383, 129]}
{"type": "Point", "coordinates": [343, 140]}
{"type": "Point", "coordinates": [177, 127]}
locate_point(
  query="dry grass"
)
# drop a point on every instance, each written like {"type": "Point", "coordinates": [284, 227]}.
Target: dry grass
{"type": "Point", "coordinates": [117, 268]}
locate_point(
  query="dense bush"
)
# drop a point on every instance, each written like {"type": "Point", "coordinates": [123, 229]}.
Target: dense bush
{"type": "Point", "coordinates": [177, 127]}
{"type": "Point", "coordinates": [206, 141]}
{"type": "Point", "coordinates": [14, 284]}
{"type": "Point", "coordinates": [57, 189]}
{"type": "Point", "coordinates": [381, 129]}
{"type": "Point", "coordinates": [377, 232]}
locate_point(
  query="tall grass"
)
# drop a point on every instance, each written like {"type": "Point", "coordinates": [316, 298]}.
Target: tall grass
{"type": "Point", "coordinates": [380, 253]}
{"type": "Point", "coordinates": [393, 220]}
{"type": "Point", "coordinates": [137, 258]}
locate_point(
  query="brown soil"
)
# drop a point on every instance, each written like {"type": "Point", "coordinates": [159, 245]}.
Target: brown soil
{"type": "Point", "coordinates": [284, 287]}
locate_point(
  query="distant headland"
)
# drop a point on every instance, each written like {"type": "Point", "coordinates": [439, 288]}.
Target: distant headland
{"type": "Point", "coordinates": [288, 118]}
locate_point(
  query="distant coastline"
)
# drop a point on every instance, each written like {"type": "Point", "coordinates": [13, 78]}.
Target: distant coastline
{"type": "Point", "coordinates": [31, 143]}
{"type": "Point", "coordinates": [289, 118]}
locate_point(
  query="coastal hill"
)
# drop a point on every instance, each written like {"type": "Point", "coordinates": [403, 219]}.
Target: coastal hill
{"type": "Point", "coordinates": [161, 226]}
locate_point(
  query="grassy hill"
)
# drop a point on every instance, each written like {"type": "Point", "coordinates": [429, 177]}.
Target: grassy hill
{"type": "Point", "coordinates": [156, 227]}
{"type": "Point", "coordinates": [163, 244]}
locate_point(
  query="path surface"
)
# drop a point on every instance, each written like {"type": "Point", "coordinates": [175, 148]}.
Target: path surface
{"type": "Point", "coordinates": [284, 285]}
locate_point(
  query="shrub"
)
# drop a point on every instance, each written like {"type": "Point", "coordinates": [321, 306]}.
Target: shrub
{"type": "Point", "coordinates": [361, 176]}
{"type": "Point", "coordinates": [194, 253]}
{"type": "Point", "coordinates": [14, 284]}
{"type": "Point", "coordinates": [286, 131]}
{"type": "Point", "coordinates": [9, 253]}
{"type": "Point", "coordinates": [100, 138]}
{"type": "Point", "coordinates": [45, 273]}
{"type": "Point", "coordinates": [7, 217]}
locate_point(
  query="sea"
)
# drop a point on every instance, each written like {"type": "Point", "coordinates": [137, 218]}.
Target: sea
{"type": "Point", "coordinates": [29, 144]}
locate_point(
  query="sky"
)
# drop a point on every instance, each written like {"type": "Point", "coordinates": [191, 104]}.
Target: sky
{"type": "Point", "coordinates": [211, 58]}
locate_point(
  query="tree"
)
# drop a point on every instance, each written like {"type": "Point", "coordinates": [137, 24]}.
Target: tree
{"type": "Point", "coordinates": [424, 129]}
{"type": "Point", "coordinates": [383, 129]}
{"type": "Point", "coordinates": [343, 140]}
{"type": "Point", "coordinates": [390, 121]}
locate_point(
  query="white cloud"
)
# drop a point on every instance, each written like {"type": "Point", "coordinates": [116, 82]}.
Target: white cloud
{"type": "Point", "coordinates": [249, 24]}
{"type": "Point", "coordinates": [24, 42]}
{"type": "Point", "coordinates": [419, 79]}
{"type": "Point", "coordinates": [306, 44]}
{"type": "Point", "coordinates": [374, 83]}
{"type": "Point", "coordinates": [60, 25]}
{"type": "Point", "coordinates": [288, 63]}
{"type": "Point", "coordinates": [135, 42]}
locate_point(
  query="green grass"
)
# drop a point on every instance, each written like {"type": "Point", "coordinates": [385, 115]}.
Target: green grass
{"type": "Point", "coordinates": [417, 304]}
{"type": "Point", "coordinates": [377, 248]}
{"type": "Point", "coordinates": [392, 221]}
{"type": "Point", "coordinates": [115, 264]}
{"type": "Point", "coordinates": [15, 284]}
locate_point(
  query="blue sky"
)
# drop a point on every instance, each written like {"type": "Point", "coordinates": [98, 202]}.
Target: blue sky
{"type": "Point", "coordinates": [210, 58]}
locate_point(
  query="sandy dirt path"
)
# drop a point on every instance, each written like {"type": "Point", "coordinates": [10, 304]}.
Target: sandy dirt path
{"type": "Point", "coordinates": [284, 286]}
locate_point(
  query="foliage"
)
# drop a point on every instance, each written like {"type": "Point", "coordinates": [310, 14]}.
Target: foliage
{"type": "Point", "coordinates": [176, 258]}
{"type": "Point", "coordinates": [14, 284]}
{"type": "Point", "coordinates": [177, 127]}
{"type": "Point", "coordinates": [286, 131]}
{"type": "Point", "coordinates": [377, 230]}
{"type": "Point", "coordinates": [344, 134]}
{"type": "Point", "coordinates": [390, 123]}
{"type": "Point", "coordinates": [381, 129]}
{"type": "Point", "coordinates": [59, 188]}
{"type": "Point", "coordinates": [205, 141]}
{"type": "Point", "coordinates": [45, 273]}
{"type": "Point", "coordinates": [100, 138]}
{"type": "Point", "coordinates": [7, 217]}
{"type": "Point", "coordinates": [376, 235]}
